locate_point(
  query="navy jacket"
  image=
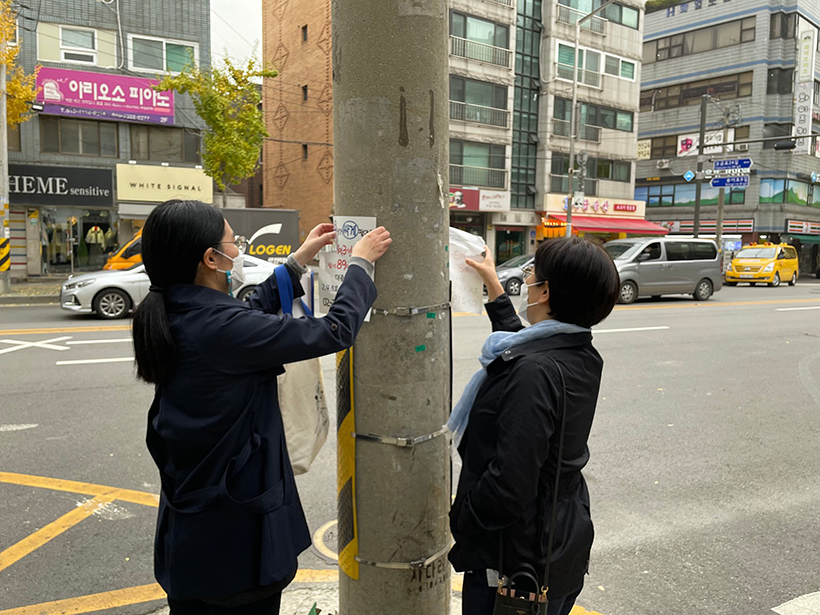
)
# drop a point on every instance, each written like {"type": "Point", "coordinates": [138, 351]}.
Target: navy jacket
{"type": "Point", "coordinates": [230, 519]}
{"type": "Point", "coordinates": [509, 453]}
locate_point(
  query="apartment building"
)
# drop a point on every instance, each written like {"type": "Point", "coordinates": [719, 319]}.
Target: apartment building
{"type": "Point", "coordinates": [757, 61]}
{"type": "Point", "coordinates": [86, 170]}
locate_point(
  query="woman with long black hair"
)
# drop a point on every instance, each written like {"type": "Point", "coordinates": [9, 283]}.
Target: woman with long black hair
{"type": "Point", "coordinates": [230, 524]}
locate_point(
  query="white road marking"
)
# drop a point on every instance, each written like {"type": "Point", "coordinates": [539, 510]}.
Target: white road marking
{"type": "Point", "coordinates": [117, 341]}
{"type": "Point", "coordinates": [18, 427]}
{"type": "Point", "coordinates": [92, 361]}
{"type": "Point", "coordinates": [47, 344]}
{"type": "Point", "coordinates": [630, 330]}
{"type": "Point", "coordinates": [804, 605]}
{"type": "Point", "coordinates": [797, 309]}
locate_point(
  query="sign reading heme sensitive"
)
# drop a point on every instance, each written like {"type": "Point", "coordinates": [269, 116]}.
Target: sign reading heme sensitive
{"type": "Point", "coordinates": [103, 96]}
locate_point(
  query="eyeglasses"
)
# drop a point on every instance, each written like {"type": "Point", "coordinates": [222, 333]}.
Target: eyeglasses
{"type": "Point", "coordinates": [528, 271]}
{"type": "Point", "coordinates": [240, 242]}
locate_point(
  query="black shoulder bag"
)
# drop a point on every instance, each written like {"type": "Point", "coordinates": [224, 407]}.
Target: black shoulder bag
{"type": "Point", "coordinates": [515, 601]}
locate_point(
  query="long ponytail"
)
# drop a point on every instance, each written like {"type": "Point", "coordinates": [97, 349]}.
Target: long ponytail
{"type": "Point", "coordinates": [174, 240]}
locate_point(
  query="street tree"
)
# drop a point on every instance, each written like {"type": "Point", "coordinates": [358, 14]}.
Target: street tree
{"type": "Point", "coordinates": [21, 89]}
{"type": "Point", "coordinates": [227, 97]}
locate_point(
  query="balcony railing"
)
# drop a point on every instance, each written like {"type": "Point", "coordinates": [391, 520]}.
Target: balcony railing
{"type": "Point", "coordinates": [560, 128]}
{"type": "Point", "coordinates": [464, 48]}
{"type": "Point", "coordinates": [504, 2]}
{"type": "Point", "coordinates": [560, 184]}
{"type": "Point", "coordinates": [477, 176]}
{"type": "Point", "coordinates": [465, 112]}
{"type": "Point", "coordinates": [585, 77]}
{"type": "Point", "coordinates": [570, 16]}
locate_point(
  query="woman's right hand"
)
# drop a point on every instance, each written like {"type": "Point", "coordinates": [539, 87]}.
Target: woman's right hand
{"type": "Point", "coordinates": [486, 269]}
{"type": "Point", "coordinates": [372, 246]}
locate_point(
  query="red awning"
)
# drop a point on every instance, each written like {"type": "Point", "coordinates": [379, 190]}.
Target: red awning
{"type": "Point", "coordinates": [600, 224]}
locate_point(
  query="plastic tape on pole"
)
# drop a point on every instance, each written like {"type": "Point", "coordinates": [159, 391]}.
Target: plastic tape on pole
{"type": "Point", "coordinates": [346, 466]}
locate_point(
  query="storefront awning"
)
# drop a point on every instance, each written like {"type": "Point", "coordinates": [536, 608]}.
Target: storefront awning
{"type": "Point", "coordinates": [806, 238]}
{"type": "Point", "coordinates": [600, 224]}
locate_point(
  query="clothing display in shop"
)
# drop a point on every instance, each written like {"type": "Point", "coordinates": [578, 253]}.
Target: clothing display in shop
{"type": "Point", "coordinates": [110, 239]}
{"type": "Point", "coordinates": [95, 236]}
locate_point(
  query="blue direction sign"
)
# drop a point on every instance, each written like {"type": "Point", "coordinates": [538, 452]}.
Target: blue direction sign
{"type": "Point", "coordinates": [689, 175]}
{"type": "Point", "coordinates": [737, 181]}
{"type": "Point", "coordinates": [733, 163]}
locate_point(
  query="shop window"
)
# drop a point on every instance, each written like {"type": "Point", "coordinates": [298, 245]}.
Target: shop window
{"type": "Point", "coordinates": [783, 25]}
{"type": "Point", "coordinates": [155, 54]}
{"type": "Point", "coordinates": [164, 144]}
{"type": "Point", "coordinates": [78, 137]}
{"type": "Point", "coordinates": [784, 191]}
{"type": "Point", "coordinates": [780, 81]}
{"type": "Point", "coordinates": [78, 45]}
{"type": "Point", "coordinates": [13, 138]}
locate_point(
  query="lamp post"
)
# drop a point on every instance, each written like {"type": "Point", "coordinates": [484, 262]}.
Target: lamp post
{"type": "Point", "coordinates": [573, 132]}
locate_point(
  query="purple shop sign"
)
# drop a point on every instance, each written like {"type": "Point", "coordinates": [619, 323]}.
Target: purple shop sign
{"type": "Point", "coordinates": [103, 96]}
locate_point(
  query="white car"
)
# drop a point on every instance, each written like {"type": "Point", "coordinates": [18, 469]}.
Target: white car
{"type": "Point", "coordinates": [114, 294]}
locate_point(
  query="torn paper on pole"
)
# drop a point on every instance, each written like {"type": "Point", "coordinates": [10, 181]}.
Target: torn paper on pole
{"type": "Point", "coordinates": [334, 259]}
{"type": "Point", "coordinates": [467, 284]}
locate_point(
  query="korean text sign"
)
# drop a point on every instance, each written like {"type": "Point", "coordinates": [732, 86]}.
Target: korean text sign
{"type": "Point", "coordinates": [103, 96]}
{"type": "Point", "coordinates": [335, 259]}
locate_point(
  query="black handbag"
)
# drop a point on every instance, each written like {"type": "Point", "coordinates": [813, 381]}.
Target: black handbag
{"type": "Point", "coordinates": [511, 598]}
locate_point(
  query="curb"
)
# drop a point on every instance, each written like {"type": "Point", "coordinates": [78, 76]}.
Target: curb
{"type": "Point", "coordinates": [28, 299]}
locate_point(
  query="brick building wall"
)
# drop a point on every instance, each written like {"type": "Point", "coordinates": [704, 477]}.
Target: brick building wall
{"type": "Point", "coordinates": [298, 156]}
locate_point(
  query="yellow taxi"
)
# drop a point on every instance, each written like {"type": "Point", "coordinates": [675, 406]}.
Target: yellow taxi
{"type": "Point", "coordinates": [765, 263]}
{"type": "Point", "coordinates": [128, 255]}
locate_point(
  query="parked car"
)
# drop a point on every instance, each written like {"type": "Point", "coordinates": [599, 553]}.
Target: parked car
{"type": "Point", "coordinates": [666, 266]}
{"type": "Point", "coordinates": [510, 274]}
{"type": "Point", "coordinates": [766, 263]}
{"type": "Point", "coordinates": [115, 293]}
{"type": "Point", "coordinates": [128, 255]}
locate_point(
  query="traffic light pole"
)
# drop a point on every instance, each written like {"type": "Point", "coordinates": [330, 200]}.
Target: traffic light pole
{"type": "Point", "coordinates": [391, 141]}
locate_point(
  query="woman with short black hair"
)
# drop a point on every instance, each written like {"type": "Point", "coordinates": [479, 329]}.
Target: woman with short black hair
{"type": "Point", "coordinates": [230, 525]}
{"type": "Point", "coordinates": [507, 427]}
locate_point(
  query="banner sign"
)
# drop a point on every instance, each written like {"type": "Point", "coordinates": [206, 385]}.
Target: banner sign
{"type": "Point", "coordinates": [103, 96]}
{"type": "Point", "coordinates": [41, 185]}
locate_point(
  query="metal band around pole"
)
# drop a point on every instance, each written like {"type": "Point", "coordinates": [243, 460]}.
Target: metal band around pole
{"type": "Point", "coordinates": [400, 441]}
{"type": "Point", "coordinates": [414, 565]}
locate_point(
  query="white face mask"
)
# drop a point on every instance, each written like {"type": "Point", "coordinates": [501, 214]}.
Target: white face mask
{"type": "Point", "coordinates": [524, 305]}
{"type": "Point", "coordinates": [236, 274]}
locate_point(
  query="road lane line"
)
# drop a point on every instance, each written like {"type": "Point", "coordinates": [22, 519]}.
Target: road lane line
{"type": "Point", "coordinates": [695, 304]}
{"type": "Point", "coordinates": [41, 331]}
{"type": "Point", "coordinates": [47, 344]}
{"type": "Point", "coordinates": [95, 361]}
{"type": "Point", "coordinates": [121, 340]}
{"type": "Point", "coordinates": [20, 427]}
{"type": "Point", "coordinates": [812, 307]}
{"type": "Point", "coordinates": [93, 602]}
{"type": "Point", "coordinates": [34, 541]}
{"type": "Point", "coordinates": [804, 605]}
{"type": "Point", "coordinates": [132, 496]}
{"type": "Point", "coordinates": [631, 330]}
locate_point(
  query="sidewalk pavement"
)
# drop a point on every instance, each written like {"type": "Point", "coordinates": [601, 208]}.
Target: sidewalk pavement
{"type": "Point", "coordinates": [46, 291]}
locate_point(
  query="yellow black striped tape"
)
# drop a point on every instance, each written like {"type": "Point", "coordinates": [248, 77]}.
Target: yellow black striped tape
{"type": "Point", "coordinates": [5, 254]}
{"type": "Point", "coordinates": [346, 466]}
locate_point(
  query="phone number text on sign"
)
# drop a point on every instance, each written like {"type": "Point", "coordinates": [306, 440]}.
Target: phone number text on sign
{"type": "Point", "coordinates": [334, 260]}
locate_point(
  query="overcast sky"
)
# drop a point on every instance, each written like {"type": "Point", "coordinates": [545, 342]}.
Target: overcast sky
{"type": "Point", "coordinates": [242, 30]}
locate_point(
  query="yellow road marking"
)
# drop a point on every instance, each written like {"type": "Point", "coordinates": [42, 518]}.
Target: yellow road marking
{"type": "Point", "coordinates": [64, 330]}
{"type": "Point", "coordinates": [30, 543]}
{"type": "Point", "coordinates": [93, 602]}
{"type": "Point", "coordinates": [57, 484]}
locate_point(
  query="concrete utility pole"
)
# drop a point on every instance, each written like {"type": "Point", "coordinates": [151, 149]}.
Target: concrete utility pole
{"type": "Point", "coordinates": [5, 237]}
{"type": "Point", "coordinates": [391, 142]}
{"type": "Point", "coordinates": [704, 101]}
{"type": "Point", "coordinates": [722, 193]}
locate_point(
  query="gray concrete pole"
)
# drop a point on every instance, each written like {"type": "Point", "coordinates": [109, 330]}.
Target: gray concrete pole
{"type": "Point", "coordinates": [5, 249]}
{"type": "Point", "coordinates": [704, 101]}
{"type": "Point", "coordinates": [722, 193]}
{"type": "Point", "coordinates": [391, 144]}
{"type": "Point", "coordinates": [573, 130]}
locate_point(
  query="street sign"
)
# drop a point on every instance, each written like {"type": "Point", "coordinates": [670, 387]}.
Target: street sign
{"type": "Point", "coordinates": [689, 175]}
{"type": "Point", "coordinates": [814, 178]}
{"type": "Point", "coordinates": [733, 163]}
{"type": "Point", "coordinates": [738, 181]}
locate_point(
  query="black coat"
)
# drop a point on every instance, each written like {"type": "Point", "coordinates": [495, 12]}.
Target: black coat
{"type": "Point", "coordinates": [510, 451]}
{"type": "Point", "coordinates": [230, 519]}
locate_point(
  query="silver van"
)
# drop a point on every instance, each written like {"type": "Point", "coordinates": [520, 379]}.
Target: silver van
{"type": "Point", "coordinates": [666, 266]}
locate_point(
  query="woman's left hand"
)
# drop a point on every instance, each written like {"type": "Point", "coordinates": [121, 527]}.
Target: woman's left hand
{"type": "Point", "coordinates": [321, 236]}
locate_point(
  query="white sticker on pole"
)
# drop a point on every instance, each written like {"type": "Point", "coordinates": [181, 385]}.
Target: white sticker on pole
{"type": "Point", "coordinates": [467, 284]}
{"type": "Point", "coordinates": [334, 260]}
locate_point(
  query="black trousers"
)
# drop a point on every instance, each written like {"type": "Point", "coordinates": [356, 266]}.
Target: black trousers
{"type": "Point", "coordinates": [478, 598]}
{"type": "Point", "coordinates": [260, 601]}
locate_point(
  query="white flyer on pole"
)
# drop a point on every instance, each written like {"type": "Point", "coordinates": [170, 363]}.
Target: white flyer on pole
{"type": "Point", "coordinates": [466, 283]}
{"type": "Point", "coordinates": [334, 260]}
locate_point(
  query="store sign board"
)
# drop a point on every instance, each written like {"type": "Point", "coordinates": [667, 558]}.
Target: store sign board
{"type": "Point", "coordinates": [687, 227]}
{"type": "Point", "coordinates": [694, 5]}
{"type": "Point", "coordinates": [803, 227]}
{"type": "Point", "coordinates": [143, 183]}
{"type": "Point", "coordinates": [688, 143]}
{"type": "Point", "coordinates": [805, 55]}
{"type": "Point", "coordinates": [644, 149]}
{"type": "Point", "coordinates": [494, 200]}
{"type": "Point", "coordinates": [597, 206]}
{"type": "Point", "coordinates": [42, 185]}
{"type": "Point", "coordinates": [103, 96]}
{"type": "Point", "coordinates": [464, 199]}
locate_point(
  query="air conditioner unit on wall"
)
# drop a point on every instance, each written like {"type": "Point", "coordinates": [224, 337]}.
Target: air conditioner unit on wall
{"type": "Point", "coordinates": [664, 163]}
{"type": "Point", "coordinates": [742, 147]}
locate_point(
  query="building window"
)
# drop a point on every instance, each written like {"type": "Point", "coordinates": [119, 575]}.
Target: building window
{"type": "Point", "coordinates": [783, 25]}
{"type": "Point", "coordinates": [595, 115]}
{"type": "Point", "coordinates": [304, 151]}
{"type": "Point", "coordinates": [478, 93]}
{"type": "Point", "coordinates": [699, 41]}
{"type": "Point", "coordinates": [479, 30]}
{"type": "Point", "coordinates": [615, 12]}
{"type": "Point", "coordinates": [784, 191]}
{"type": "Point", "coordinates": [304, 34]}
{"type": "Point", "coordinates": [304, 93]}
{"type": "Point", "coordinates": [665, 147]}
{"type": "Point", "coordinates": [526, 97]}
{"type": "Point", "coordinates": [683, 195]}
{"type": "Point", "coordinates": [481, 155]}
{"type": "Point", "coordinates": [156, 54]}
{"type": "Point", "coordinates": [781, 81]}
{"type": "Point", "coordinates": [164, 144]}
{"type": "Point", "coordinates": [775, 130]}
{"type": "Point", "coordinates": [669, 97]}
{"type": "Point", "coordinates": [78, 45]}
{"type": "Point", "coordinates": [13, 138]}
{"type": "Point", "coordinates": [590, 61]}
{"type": "Point", "coordinates": [78, 137]}
{"type": "Point", "coordinates": [816, 93]}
